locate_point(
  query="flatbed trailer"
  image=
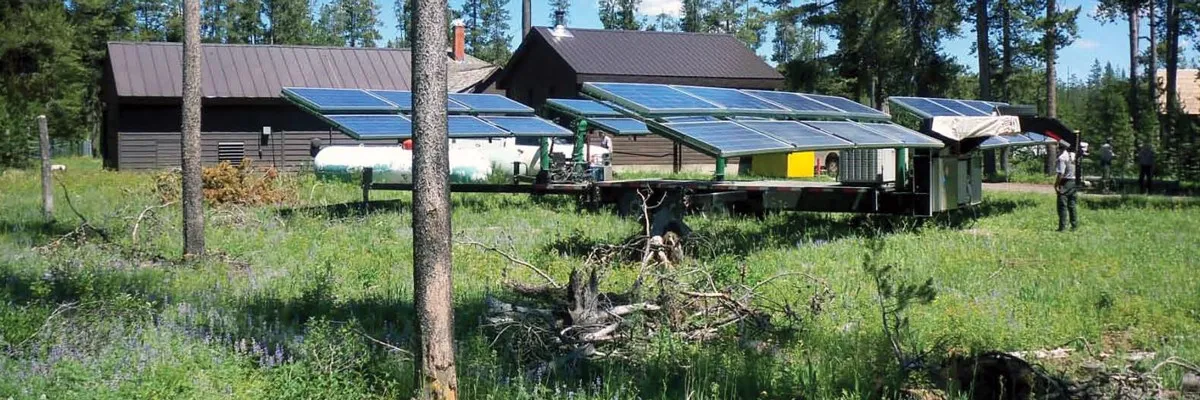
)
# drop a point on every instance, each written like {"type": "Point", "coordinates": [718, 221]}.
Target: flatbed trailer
{"type": "Point", "coordinates": [705, 195]}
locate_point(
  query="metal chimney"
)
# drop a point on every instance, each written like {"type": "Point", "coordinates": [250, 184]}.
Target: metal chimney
{"type": "Point", "coordinates": [559, 16]}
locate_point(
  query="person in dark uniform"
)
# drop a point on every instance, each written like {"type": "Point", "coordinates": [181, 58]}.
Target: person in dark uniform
{"type": "Point", "coordinates": [1145, 159]}
{"type": "Point", "coordinates": [1064, 185]}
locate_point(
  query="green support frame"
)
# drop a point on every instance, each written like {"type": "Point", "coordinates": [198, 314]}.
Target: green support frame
{"type": "Point", "coordinates": [580, 139]}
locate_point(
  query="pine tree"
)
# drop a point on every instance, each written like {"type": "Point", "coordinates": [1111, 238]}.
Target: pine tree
{"type": "Point", "coordinates": [471, 13]}
{"type": "Point", "coordinates": [288, 21]}
{"type": "Point", "coordinates": [693, 19]}
{"type": "Point", "coordinates": [620, 14]}
{"type": "Point", "coordinates": [495, 36]}
{"type": "Point", "coordinates": [215, 21]}
{"type": "Point", "coordinates": [1107, 114]}
{"type": "Point", "coordinates": [665, 23]}
{"type": "Point", "coordinates": [353, 23]}
{"type": "Point", "coordinates": [404, 25]}
{"type": "Point", "coordinates": [246, 24]}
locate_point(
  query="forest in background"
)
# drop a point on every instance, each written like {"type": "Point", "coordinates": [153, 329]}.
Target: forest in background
{"type": "Point", "coordinates": [52, 53]}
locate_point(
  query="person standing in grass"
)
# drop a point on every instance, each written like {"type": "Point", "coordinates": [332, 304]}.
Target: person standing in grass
{"type": "Point", "coordinates": [1064, 185]}
{"type": "Point", "coordinates": [1106, 159]}
{"type": "Point", "coordinates": [1145, 159]}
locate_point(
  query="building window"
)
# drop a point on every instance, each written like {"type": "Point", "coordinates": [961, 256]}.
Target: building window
{"type": "Point", "coordinates": [233, 152]}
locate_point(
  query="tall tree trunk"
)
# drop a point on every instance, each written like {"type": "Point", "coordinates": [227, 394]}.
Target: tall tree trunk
{"type": "Point", "coordinates": [431, 205]}
{"type": "Point", "coordinates": [526, 17]}
{"type": "Point", "coordinates": [1135, 109]}
{"type": "Point", "coordinates": [1152, 68]}
{"type": "Point", "coordinates": [193, 189]}
{"type": "Point", "coordinates": [1006, 62]}
{"type": "Point", "coordinates": [1051, 43]}
{"type": "Point", "coordinates": [1173, 142]}
{"type": "Point", "coordinates": [918, 49]}
{"type": "Point", "coordinates": [983, 47]}
{"type": "Point", "coordinates": [983, 50]}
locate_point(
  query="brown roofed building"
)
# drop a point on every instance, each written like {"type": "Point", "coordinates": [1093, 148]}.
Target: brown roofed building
{"type": "Point", "coordinates": [554, 62]}
{"type": "Point", "coordinates": [240, 87]}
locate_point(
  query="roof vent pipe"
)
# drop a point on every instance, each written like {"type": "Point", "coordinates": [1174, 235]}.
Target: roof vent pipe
{"type": "Point", "coordinates": [560, 31]}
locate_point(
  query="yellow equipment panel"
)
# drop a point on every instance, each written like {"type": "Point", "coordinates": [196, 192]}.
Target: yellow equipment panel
{"type": "Point", "coordinates": [785, 165]}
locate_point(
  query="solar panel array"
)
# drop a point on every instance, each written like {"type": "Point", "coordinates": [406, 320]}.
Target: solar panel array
{"type": "Point", "coordinates": [377, 114]}
{"type": "Point", "coordinates": [936, 107]}
{"type": "Point", "coordinates": [663, 100]}
{"type": "Point", "coordinates": [583, 108]}
{"type": "Point", "coordinates": [621, 126]}
{"type": "Point", "coordinates": [737, 138]}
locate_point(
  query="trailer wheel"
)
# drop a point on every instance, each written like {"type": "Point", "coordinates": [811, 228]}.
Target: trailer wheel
{"type": "Point", "coordinates": [831, 165]}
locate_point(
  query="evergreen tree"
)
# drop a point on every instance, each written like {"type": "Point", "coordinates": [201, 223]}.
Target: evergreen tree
{"type": "Point", "coordinates": [353, 23]}
{"type": "Point", "coordinates": [404, 25]}
{"type": "Point", "coordinates": [1107, 114]}
{"type": "Point", "coordinates": [288, 21]}
{"type": "Point", "coordinates": [215, 21]}
{"type": "Point", "coordinates": [664, 22]}
{"type": "Point", "coordinates": [493, 44]}
{"type": "Point", "coordinates": [246, 24]}
{"type": "Point", "coordinates": [693, 19]}
{"type": "Point", "coordinates": [473, 20]}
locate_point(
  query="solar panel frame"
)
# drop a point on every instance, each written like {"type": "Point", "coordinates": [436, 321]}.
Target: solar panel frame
{"type": "Point", "coordinates": [687, 104]}
{"type": "Point", "coordinates": [583, 108]}
{"type": "Point", "coordinates": [733, 101]}
{"type": "Point", "coordinates": [993, 142]}
{"type": "Point", "coordinates": [403, 100]}
{"type": "Point", "coordinates": [861, 136]}
{"type": "Point", "coordinates": [621, 126]}
{"type": "Point", "coordinates": [725, 138]}
{"type": "Point", "coordinates": [909, 138]}
{"type": "Point", "coordinates": [528, 126]}
{"type": "Point", "coordinates": [311, 98]}
{"type": "Point", "coordinates": [466, 126]}
{"type": "Point", "coordinates": [371, 126]}
{"type": "Point", "coordinates": [801, 137]}
{"type": "Point", "coordinates": [987, 107]}
{"type": "Point", "coordinates": [490, 103]}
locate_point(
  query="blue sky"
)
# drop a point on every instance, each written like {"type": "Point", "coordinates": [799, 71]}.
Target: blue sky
{"type": "Point", "coordinates": [1097, 41]}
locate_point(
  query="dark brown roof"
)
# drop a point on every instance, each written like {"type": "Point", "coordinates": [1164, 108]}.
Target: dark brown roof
{"type": "Point", "coordinates": [154, 69]}
{"type": "Point", "coordinates": [648, 53]}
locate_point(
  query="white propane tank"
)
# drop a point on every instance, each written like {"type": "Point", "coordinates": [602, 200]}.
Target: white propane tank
{"type": "Point", "coordinates": [393, 164]}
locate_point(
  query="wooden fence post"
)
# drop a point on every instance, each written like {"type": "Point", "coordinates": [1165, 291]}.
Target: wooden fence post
{"type": "Point", "coordinates": [47, 184]}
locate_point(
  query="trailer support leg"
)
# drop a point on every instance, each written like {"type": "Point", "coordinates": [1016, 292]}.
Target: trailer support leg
{"type": "Point", "coordinates": [720, 172]}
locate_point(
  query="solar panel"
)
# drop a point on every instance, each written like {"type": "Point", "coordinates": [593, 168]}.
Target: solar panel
{"type": "Point", "coordinates": [845, 104]}
{"type": "Point", "coordinates": [925, 106]}
{"type": "Point", "coordinates": [654, 99]}
{"type": "Point", "coordinates": [984, 106]}
{"type": "Point", "coordinates": [373, 126]}
{"type": "Point", "coordinates": [960, 108]}
{"type": "Point", "coordinates": [1018, 140]}
{"type": "Point", "coordinates": [338, 100]}
{"type": "Point", "coordinates": [727, 138]}
{"type": "Point", "coordinates": [905, 135]}
{"type": "Point", "coordinates": [794, 101]}
{"type": "Point", "coordinates": [621, 126]}
{"type": "Point", "coordinates": [403, 99]}
{"type": "Point", "coordinates": [802, 136]}
{"type": "Point", "coordinates": [584, 108]}
{"type": "Point", "coordinates": [731, 99]}
{"type": "Point", "coordinates": [465, 126]}
{"type": "Point", "coordinates": [528, 126]}
{"type": "Point", "coordinates": [1039, 138]}
{"type": "Point", "coordinates": [856, 133]}
{"type": "Point", "coordinates": [490, 103]}
{"type": "Point", "coordinates": [691, 118]}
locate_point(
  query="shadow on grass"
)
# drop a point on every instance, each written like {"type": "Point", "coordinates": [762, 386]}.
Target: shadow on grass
{"type": "Point", "coordinates": [474, 202]}
{"type": "Point", "coordinates": [788, 229]}
{"type": "Point", "coordinates": [35, 233]}
{"type": "Point", "coordinates": [1142, 202]}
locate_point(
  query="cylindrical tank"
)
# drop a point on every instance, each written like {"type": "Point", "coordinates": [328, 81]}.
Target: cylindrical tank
{"type": "Point", "coordinates": [393, 164]}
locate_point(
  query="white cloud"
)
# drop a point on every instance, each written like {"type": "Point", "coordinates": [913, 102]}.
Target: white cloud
{"type": "Point", "coordinates": [654, 7]}
{"type": "Point", "coordinates": [1087, 44]}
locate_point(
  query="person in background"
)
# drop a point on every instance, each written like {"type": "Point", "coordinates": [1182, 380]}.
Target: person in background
{"type": "Point", "coordinates": [1064, 185]}
{"type": "Point", "coordinates": [1145, 158]}
{"type": "Point", "coordinates": [1106, 159]}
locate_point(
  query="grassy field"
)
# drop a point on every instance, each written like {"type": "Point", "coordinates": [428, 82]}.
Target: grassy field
{"type": "Point", "coordinates": [290, 302]}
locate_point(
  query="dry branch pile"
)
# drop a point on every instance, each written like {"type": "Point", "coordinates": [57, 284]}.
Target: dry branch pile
{"type": "Point", "coordinates": [227, 183]}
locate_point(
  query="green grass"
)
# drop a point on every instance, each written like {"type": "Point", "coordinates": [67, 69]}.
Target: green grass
{"type": "Point", "coordinates": [280, 310]}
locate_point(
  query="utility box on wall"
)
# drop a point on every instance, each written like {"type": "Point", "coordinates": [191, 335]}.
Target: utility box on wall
{"type": "Point", "coordinates": [785, 165]}
{"type": "Point", "coordinates": [867, 166]}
